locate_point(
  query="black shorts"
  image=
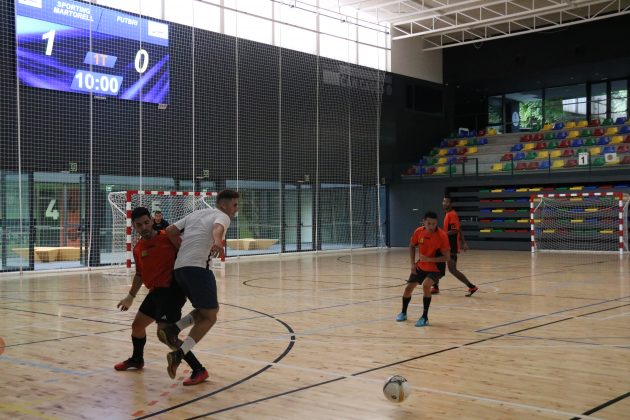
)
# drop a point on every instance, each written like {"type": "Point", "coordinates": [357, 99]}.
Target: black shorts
{"type": "Point", "coordinates": [164, 304]}
{"type": "Point", "coordinates": [419, 278]}
{"type": "Point", "coordinates": [199, 286]}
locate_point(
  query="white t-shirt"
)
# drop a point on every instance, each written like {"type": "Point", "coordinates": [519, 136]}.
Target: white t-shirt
{"type": "Point", "coordinates": [197, 237]}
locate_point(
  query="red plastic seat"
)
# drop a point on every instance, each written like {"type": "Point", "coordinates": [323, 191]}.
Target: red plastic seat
{"type": "Point", "coordinates": [571, 163]}
{"type": "Point", "coordinates": [627, 140]}
{"type": "Point", "coordinates": [526, 138]}
{"type": "Point", "coordinates": [521, 166]}
{"type": "Point", "coordinates": [462, 159]}
{"type": "Point", "coordinates": [540, 146]}
{"type": "Point", "coordinates": [599, 132]}
{"type": "Point", "coordinates": [626, 160]}
{"type": "Point", "coordinates": [431, 170]}
{"type": "Point", "coordinates": [568, 153]}
{"type": "Point", "coordinates": [623, 148]}
{"type": "Point", "coordinates": [594, 123]}
{"type": "Point", "coordinates": [538, 137]}
{"type": "Point", "coordinates": [532, 165]}
{"type": "Point", "coordinates": [506, 157]}
{"type": "Point", "coordinates": [564, 143]}
{"type": "Point", "coordinates": [462, 151]}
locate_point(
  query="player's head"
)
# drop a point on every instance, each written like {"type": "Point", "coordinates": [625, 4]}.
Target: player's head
{"type": "Point", "coordinates": [227, 202]}
{"type": "Point", "coordinates": [141, 220]}
{"type": "Point", "coordinates": [430, 221]}
{"type": "Point", "coordinates": [157, 216]}
{"type": "Point", "coordinates": [446, 203]}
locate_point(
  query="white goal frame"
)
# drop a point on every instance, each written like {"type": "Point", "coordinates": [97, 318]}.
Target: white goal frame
{"type": "Point", "coordinates": [622, 223]}
{"type": "Point", "coordinates": [127, 212]}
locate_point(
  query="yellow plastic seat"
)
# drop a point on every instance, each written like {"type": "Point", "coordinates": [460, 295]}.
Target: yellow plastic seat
{"type": "Point", "coordinates": [442, 152]}
{"type": "Point", "coordinates": [547, 127]}
{"type": "Point", "coordinates": [595, 150]}
{"type": "Point", "coordinates": [573, 134]}
{"type": "Point", "coordinates": [569, 124]}
{"type": "Point", "coordinates": [543, 154]}
{"type": "Point", "coordinates": [528, 146]}
{"type": "Point", "coordinates": [440, 170]}
{"type": "Point", "coordinates": [492, 132]}
{"type": "Point", "coordinates": [472, 150]}
{"type": "Point", "coordinates": [557, 164]}
{"type": "Point", "coordinates": [462, 143]}
{"type": "Point", "coordinates": [496, 167]}
{"type": "Point", "coordinates": [582, 124]}
{"type": "Point", "coordinates": [616, 140]}
{"type": "Point", "coordinates": [577, 188]}
{"type": "Point", "coordinates": [522, 189]}
{"type": "Point", "coordinates": [441, 161]}
{"type": "Point", "coordinates": [555, 154]}
{"type": "Point", "coordinates": [610, 131]}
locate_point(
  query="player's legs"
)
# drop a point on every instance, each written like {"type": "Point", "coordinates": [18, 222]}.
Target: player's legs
{"type": "Point", "coordinates": [200, 287]}
{"type": "Point", "coordinates": [138, 336]}
{"type": "Point", "coordinates": [412, 282]}
{"type": "Point", "coordinates": [431, 280]}
{"type": "Point", "coordinates": [452, 268]}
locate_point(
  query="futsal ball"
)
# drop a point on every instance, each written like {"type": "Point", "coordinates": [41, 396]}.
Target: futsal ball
{"type": "Point", "coordinates": [396, 389]}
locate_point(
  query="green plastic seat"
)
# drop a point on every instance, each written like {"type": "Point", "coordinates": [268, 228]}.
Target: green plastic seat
{"type": "Point", "coordinates": [550, 136]}
{"type": "Point", "coordinates": [552, 145]}
{"type": "Point", "coordinates": [607, 121]}
{"type": "Point", "coordinates": [586, 133]}
{"type": "Point", "coordinates": [599, 161]}
{"type": "Point", "coordinates": [508, 167]}
{"type": "Point", "coordinates": [531, 156]}
{"type": "Point", "coordinates": [589, 142]}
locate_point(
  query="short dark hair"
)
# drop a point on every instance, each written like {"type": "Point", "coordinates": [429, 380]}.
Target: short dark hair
{"type": "Point", "coordinates": [448, 196]}
{"type": "Point", "coordinates": [138, 212]}
{"type": "Point", "coordinates": [430, 215]}
{"type": "Point", "coordinates": [157, 212]}
{"type": "Point", "coordinates": [227, 195]}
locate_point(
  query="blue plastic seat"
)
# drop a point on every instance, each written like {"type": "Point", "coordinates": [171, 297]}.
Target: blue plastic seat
{"type": "Point", "coordinates": [577, 142]}
{"type": "Point", "coordinates": [482, 141]}
{"type": "Point", "coordinates": [519, 156]}
{"type": "Point", "coordinates": [544, 164]}
{"type": "Point", "coordinates": [620, 121]}
{"type": "Point", "coordinates": [561, 135]}
{"type": "Point", "coordinates": [609, 149]}
{"type": "Point", "coordinates": [602, 141]}
{"type": "Point", "coordinates": [452, 160]}
{"type": "Point", "coordinates": [625, 129]}
{"type": "Point", "coordinates": [558, 126]}
{"type": "Point", "coordinates": [517, 147]}
{"type": "Point", "coordinates": [452, 151]}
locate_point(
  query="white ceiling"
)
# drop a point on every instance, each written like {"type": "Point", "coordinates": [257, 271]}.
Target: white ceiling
{"type": "Point", "coordinates": [448, 23]}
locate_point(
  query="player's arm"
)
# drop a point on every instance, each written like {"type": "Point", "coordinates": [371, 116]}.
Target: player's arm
{"type": "Point", "coordinates": [441, 258]}
{"type": "Point", "coordinates": [412, 257]}
{"type": "Point", "coordinates": [464, 243]}
{"type": "Point", "coordinates": [125, 304]}
{"type": "Point", "coordinates": [174, 235]}
{"type": "Point", "coordinates": [217, 235]}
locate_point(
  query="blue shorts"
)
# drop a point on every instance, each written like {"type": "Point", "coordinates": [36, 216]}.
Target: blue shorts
{"type": "Point", "coordinates": [199, 286]}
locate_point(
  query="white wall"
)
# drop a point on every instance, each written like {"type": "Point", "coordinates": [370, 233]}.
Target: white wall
{"type": "Point", "coordinates": [408, 59]}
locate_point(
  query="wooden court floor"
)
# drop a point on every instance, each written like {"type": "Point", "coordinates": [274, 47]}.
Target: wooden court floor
{"type": "Point", "coordinates": [314, 337]}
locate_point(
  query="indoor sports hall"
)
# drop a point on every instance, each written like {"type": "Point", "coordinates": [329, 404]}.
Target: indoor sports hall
{"type": "Point", "coordinates": [477, 149]}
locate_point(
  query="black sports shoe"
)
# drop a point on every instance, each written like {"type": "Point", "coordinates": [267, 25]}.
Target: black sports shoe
{"type": "Point", "coordinates": [173, 359]}
{"type": "Point", "coordinates": [169, 336]}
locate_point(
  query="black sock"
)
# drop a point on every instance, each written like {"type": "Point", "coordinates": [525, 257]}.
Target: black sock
{"type": "Point", "coordinates": [426, 302]}
{"type": "Point", "coordinates": [192, 361]}
{"type": "Point", "coordinates": [138, 347]}
{"type": "Point", "coordinates": [405, 304]}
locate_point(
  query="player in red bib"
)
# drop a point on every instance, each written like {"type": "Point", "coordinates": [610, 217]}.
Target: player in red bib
{"type": "Point", "coordinates": [455, 236]}
{"type": "Point", "coordinates": [154, 255]}
{"type": "Point", "coordinates": [433, 252]}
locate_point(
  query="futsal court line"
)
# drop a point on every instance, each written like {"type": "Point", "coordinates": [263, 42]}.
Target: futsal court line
{"type": "Point", "coordinates": [602, 406]}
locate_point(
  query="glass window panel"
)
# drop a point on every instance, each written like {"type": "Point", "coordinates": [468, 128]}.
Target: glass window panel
{"type": "Point", "coordinates": [618, 99]}
{"type": "Point", "coordinates": [372, 57]}
{"type": "Point", "coordinates": [152, 8]}
{"type": "Point", "coordinates": [528, 109]}
{"type": "Point", "coordinates": [368, 36]}
{"type": "Point", "coordinates": [296, 39]}
{"type": "Point", "coordinates": [250, 27]}
{"type": "Point", "coordinates": [495, 111]}
{"type": "Point", "coordinates": [565, 103]}
{"type": "Point", "coordinates": [336, 27]}
{"type": "Point", "coordinates": [296, 16]}
{"type": "Point", "coordinates": [336, 48]}
{"type": "Point", "coordinates": [207, 16]}
{"type": "Point", "coordinates": [179, 11]}
{"type": "Point", "coordinates": [599, 100]}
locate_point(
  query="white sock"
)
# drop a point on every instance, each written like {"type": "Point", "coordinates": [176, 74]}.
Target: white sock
{"type": "Point", "coordinates": [187, 345]}
{"type": "Point", "coordinates": [185, 322]}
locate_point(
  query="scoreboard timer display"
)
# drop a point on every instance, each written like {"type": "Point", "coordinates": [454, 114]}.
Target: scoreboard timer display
{"type": "Point", "coordinates": [78, 47]}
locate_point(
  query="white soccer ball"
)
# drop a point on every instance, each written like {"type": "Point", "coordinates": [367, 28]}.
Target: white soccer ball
{"type": "Point", "coordinates": [396, 389]}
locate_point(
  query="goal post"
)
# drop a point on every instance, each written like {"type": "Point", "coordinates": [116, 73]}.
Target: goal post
{"type": "Point", "coordinates": [174, 205]}
{"type": "Point", "coordinates": [579, 222]}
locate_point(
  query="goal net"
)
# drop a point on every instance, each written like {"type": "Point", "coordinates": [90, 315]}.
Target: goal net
{"type": "Point", "coordinates": [174, 206]}
{"type": "Point", "coordinates": [591, 222]}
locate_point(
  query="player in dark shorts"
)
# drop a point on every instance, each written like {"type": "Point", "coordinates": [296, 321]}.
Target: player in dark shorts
{"type": "Point", "coordinates": [455, 235]}
{"type": "Point", "coordinates": [433, 252]}
{"type": "Point", "coordinates": [154, 255]}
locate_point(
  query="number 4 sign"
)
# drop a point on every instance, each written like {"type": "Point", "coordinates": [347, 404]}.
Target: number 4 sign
{"type": "Point", "coordinates": [583, 159]}
{"type": "Point", "coordinates": [51, 212]}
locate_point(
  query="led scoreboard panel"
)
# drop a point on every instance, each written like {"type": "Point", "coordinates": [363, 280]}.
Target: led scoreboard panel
{"type": "Point", "coordinates": [78, 47]}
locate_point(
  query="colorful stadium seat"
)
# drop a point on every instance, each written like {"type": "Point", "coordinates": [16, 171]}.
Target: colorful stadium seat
{"type": "Point", "coordinates": [482, 141]}
{"type": "Point", "coordinates": [552, 145]}
{"type": "Point", "coordinates": [627, 140]}
{"type": "Point", "coordinates": [550, 136]}
{"type": "Point", "coordinates": [431, 170]}
{"type": "Point", "coordinates": [526, 138]}
{"type": "Point", "coordinates": [625, 129]}
{"type": "Point", "coordinates": [451, 152]}
{"type": "Point", "coordinates": [555, 154]}
{"type": "Point", "coordinates": [620, 121]}
{"type": "Point", "coordinates": [519, 156]}
{"type": "Point", "coordinates": [611, 131]}
{"type": "Point", "coordinates": [623, 148]}
{"type": "Point", "coordinates": [521, 166]}
{"type": "Point", "coordinates": [616, 140]}
{"type": "Point", "coordinates": [626, 160]}
{"type": "Point", "coordinates": [541, 145]}
{"type": "Point", "coordinates": [598, 132]}
{"type": "Point", "coordinates": [538, 137]}
{"type": "Point", "coordinates": [528, 146]}
{"type": "Point", "coordinates": [607, 121]}
{"type": "Point", "coordinates": [471, 142]}
{"type": "Point", "coordinates": [602, 141]}
{"type": "Point", "coordinates": [595, 150]}
{"type": "Point", "coordinates": [573, 134]}
{"type": "Point", "coordinates": [571, 163]}
{"type": "Point", "coordinates": [609, 149]}
{"type": "Point", "coordinates": [441, 161]}
{"type": "Point", "coordinates": [586, 132]}
{"type": "Point", "coordinates": [508, 167]}
{"type": "Point", "coordinates": [517, 147]}
{"type": "Point", "coordinates": [582, 123]}
{"type": "Point", "coordinates": [599, 161]}
{"type": "Point", "coordinates": [496, 167]}
{"type": "Point", "coordinates": [531, 155]}
{"type": "Point", "coordinates": [561, 135]}
{"type": "Point", "coordinates": [461, 160]}
{"type": "Point", "coordinates": [507, 157]}
{"type": "Point", "coordinates": [568, 153]}
{"type": "Point", "coordinates": [558, 126]}
{"type": "Point", "coordinates": [557, 164]}
{"type": "Point", "coordinates": [492, 132]}
{"type": "Point", "coordinates": [594, 123]}
{"type": "Point", "coordinates": [462, 150]}
{"type": "Point", "coordinates": [543, 154]}
{"type": "Point", "coordinates": [589, 142]}
{"type": "Point", "coordinates": [471, 150]}
{"type": "Point", "coordinates": [440, 170]}
{"type": "Point", "coordinates": [577, 142]}
{"type": "Point", "coordinates": [547, 127]}
{"type": "Point", "coordinates": [481, 133]}
{"type": "Point", "coordinates": [569, 124]}
{"type": "Point", "coordinates": [564, 143]}
{"type": "Point", "coordinates": [533, 165]}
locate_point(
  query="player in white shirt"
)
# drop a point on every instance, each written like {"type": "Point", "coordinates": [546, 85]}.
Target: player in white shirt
{"type": "Point", "coordinates": [201, 233]}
